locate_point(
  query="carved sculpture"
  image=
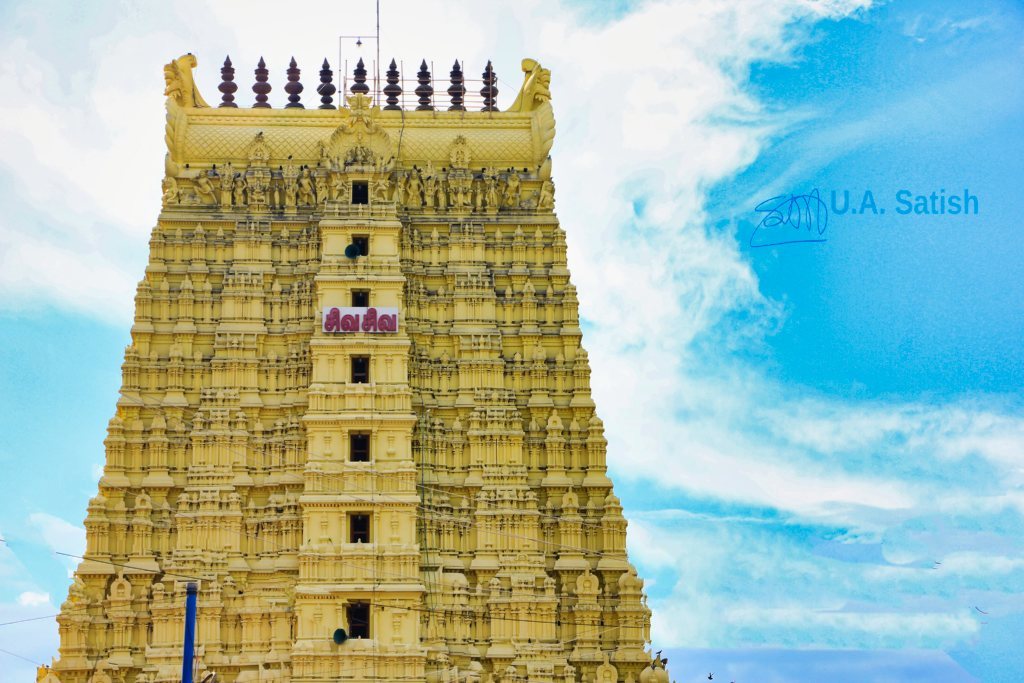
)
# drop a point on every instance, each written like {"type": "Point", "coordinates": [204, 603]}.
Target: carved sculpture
{"type": "Point", "coordinates": [306, 194]}
{"type": "Point", "coordinates": [259, 151]}
{"type": "Point", "coordinates": [180, 86]}
{"type": "Point", "coordinates": [227, 177]}
{"type": "Point", "coordinates": [546, 200]}
{"type": "Point", "coordinates": [204, 189]}
{"type": "Point", "coordinates": [170, 188]}
{"type": "Point", "coordinates": [381, 189]}
{"type": "Point", "coordinates": [238, 190]}
{"type": "Point", "coordinates": [536, 87]}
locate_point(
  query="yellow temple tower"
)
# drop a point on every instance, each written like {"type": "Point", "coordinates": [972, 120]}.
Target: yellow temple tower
{"type": "Point", "coordinates": [356, 402]}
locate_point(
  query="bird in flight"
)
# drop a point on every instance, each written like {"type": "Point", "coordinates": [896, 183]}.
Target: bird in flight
{"type": "Point", "coordinates": [711, 677]}
{"type": "Point", "coordinates": [980, 610]}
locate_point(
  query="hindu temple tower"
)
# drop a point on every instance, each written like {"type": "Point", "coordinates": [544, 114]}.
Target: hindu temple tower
{"type": "Point", "coordinates": [356, 399]}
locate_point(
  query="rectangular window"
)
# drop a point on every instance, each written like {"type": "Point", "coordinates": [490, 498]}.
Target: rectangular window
{"type": "Point", "coordinates": [360, 298]}
{"type": "Point", "coordinates": [360, 192]}
{"type": "Point", "coordinates": [358, 614]}
{"type": "Point", "coordinates": [363, 242]}
{"type": "Point", "coordinates": [360, 369]}
{"type": "Point", "coordinates": [359, 528]}
{"type": "Point", "coordinates": [359, 447]}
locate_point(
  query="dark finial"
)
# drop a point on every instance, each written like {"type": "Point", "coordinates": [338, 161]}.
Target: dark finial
{"type": "Point", "coordinates": [393, 90]}
{"type": "Point", "coordinates": [326, 87]}
{"type": "Point", "coordinates": [359, 79]}
{"type": "Point", "coordinates": [227, 84]}
{"type": "Point", "coordinates": [457, 90]}
{"type": "Point", "coordinates": [293, 87]}
{"type": "Point", "coordinates": [261, 87]}
{"type": "Point", "coordinates": [490, 91]}
{"type": "Point", "coordinates": [424, 90]}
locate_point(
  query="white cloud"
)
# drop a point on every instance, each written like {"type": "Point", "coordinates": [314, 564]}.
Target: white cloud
{"type": "Point", "coordinates": [33, 599]}
{"type": "Point", "coordinates": [60, 536]}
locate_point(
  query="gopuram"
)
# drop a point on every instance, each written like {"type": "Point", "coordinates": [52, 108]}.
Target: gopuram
{"type": "Point", "coordinates": [356, 410]}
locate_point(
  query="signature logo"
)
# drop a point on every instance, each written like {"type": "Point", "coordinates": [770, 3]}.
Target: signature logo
{"type": "Point", "coordinates": [790, 219]}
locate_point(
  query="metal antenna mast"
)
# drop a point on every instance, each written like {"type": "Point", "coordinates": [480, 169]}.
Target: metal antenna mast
{"type": "Point", "coordinates": [359, 44]}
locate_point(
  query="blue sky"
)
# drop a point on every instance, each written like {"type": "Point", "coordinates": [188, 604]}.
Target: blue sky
{"type": "Point", "coordinates": [798, 433]}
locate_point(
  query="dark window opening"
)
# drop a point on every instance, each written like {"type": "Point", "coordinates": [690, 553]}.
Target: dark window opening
{"type": "Point", "coordinates": [363, 242]}
{"type": "Point", "coordinates": [358, 614]}
{"type": "Point", "coordinates": [360, 369]}
{"type": "Point", "coordinates": [359, 528]}
{"type": "Point", "coordinates": [359, 447]}
{"type": "Point", "coordinates": [360, 298]}
{"type": "Point", "coordinates": [360, 192]}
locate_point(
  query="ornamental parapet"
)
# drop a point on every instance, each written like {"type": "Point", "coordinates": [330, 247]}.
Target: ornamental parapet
{"type": "Point", "coordinates": [375, 129]}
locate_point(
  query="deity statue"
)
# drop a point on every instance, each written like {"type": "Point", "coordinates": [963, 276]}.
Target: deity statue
{"type": "Point", "coordinates": [429, 190]}
{"type": "Point", "coordinates": [381, 189]}
{"type": "Point", "coordinates": [442, 194]}
{"type": "Point", "coordinates": [399, 189]}
{"type": "Point", "coordinates": [478, 193]}
{"type": "Point", "coordinates": [180, 86]}
{"type": "Point", "coordinates": [257, 191]}
{"type": "Point", "coordinates": [238, 190]}
{"type": "Point", "coordinates": [339, 186]}
{"type": "Point", "coordinates": [226, 183]}
{"type": "Point", "coordinates": [276, 189]}
{"type": "Point", "coordinates": [306, 196]}
{"type": "Point", "coordinates": [536, 87]}
{"type": "Point", "coordinates": [492, 193]}
{"type": "Point", "coordinates": [204, 189]}
{"type": "Point", "coordinates": [320, 185]}
{"type": "Point", "coordinates": [459, 156]}
{"type": "Point", "coordinates": [170, 187]}
{"type": "Point", "coordinates": [512, 190]}
{"type": "Point", "coordinates": [546, 200]}
{"type": "Point", "coordinates": [414, 188]}
{"type": "Point", "coordinates": [259, 151]}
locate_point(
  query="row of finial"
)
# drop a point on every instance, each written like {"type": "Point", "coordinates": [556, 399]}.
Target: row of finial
{"type": "Point", "coordinates": [393, 90]}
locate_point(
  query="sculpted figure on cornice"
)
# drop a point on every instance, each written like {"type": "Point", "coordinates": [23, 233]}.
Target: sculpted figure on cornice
{"type": "Point", "coordinates": [204, 188]}
{"type": "Point", "coordinates": [360, 140]}
{"type": "Point", "coordinates": [171, 193]}
{"type": "Point", "coordinates": [180, 86]}
{"type": "Point", "coordinates": [259, 151]}
{"type": "Point", "coordinates": [536, 87]}
{"type": "Point", "coordinates": [459, 153]}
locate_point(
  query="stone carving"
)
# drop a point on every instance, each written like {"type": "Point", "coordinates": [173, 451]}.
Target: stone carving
{"type": "Point", "coordinates": [227, 179]}
{"type": "Point", "coordinates": [536, 87]}
{"type": "Point", "coordinates": [546, 199]}
{"type": "Point", "coordinates": [204, 188]}
{"type": "Point", "coordinates": [381, 189]}
{"type": "Point", "coordinates": [180, 86]}
{"type": "Point", "coordinates": [320, 186]}
{"type": "Point", "coordinates": [258, 152]}
{"type": "Point", "coordinates": [306, 194]}
{"type": "Point", "coordinates": [414, 189]}
{"type": "Point", "coordinates": [360, 140]}
{"type": "Point", "coordinates": [238, 190]}
{"type": "Point", "coordinates": [512, 190]}
{"type": "Point", "coordinates": [171, 192]}
{"type": "Point", "coordinates": [459, 155]}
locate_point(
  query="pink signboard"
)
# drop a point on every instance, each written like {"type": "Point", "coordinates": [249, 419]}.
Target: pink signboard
{"type": "Point", "coordinates": [353, 319]}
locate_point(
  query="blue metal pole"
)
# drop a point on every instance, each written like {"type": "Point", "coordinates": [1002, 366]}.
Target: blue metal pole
{"type": "Point", "coordinates": [190, 633]}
